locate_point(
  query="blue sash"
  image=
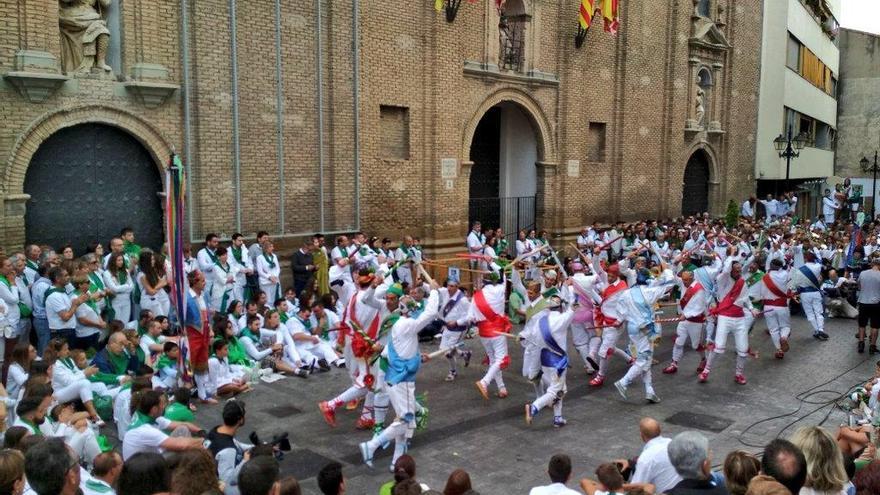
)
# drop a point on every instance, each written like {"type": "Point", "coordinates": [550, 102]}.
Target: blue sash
{"type": "Point", "coordinates": [806, 272]}
{"type": "Point", "coordinates": [646, 311]}
{"type": "Point", "coordinates": [554, 357]}
{"type": "Point", "coordinates": [399, 369]}
{"type": "Point", "coordinates": [705, 280]}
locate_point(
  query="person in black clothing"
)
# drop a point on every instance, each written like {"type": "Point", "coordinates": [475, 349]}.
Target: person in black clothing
{"type": "Point", "coordinates": [784, 462]}
{"type": "Point", "coordinates": [689, 455]}
{"type": "Point", "coordinates": [303, 269]}
{"type": "Point", "coordinates": [229, 453]}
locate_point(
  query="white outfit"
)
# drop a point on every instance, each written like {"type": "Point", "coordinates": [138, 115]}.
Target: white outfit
{"type": "Point", "coordinates": [553, 379]}
{"type": "Point", "coordinates": [240, 267]}
{"type": "Point", "coordinates": [654, 466]}
{"type": "Point", "coordinates": [454, 310]}
{"type": "Point", "coordinates": [121, 302]}
{"type": "Point", "coordinates": [158, 303]}
{"type": "Point", "coordinates": [267, 268]}
{"type": "Point", "coordinates": [554, 489]}
{"type": "Point", "coordinates": [223, 286]}
{"type": "Point", "coordinates": [310, 350]}
{"type": "Point", "coordinates": [829, 208]}
{"type": "Point", "coordinates": [496, 346]}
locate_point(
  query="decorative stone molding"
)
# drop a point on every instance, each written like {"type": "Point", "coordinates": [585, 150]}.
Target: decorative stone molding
{"type": "Point", "coordinates": [493, 73]}
{"type": "Point", "coordinates": [14, 205]}
{"type": "Point", "coordinates": [148, 84]}
{"type": "Point", "coordinates": [532, 110]}
{"type": "Point", "coordinates": [36, 75]}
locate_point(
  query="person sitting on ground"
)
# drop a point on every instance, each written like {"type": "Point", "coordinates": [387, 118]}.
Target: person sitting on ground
{"type": "Point", "coordinates": [166, 366]}
{"type": "Point", "coordinates": [825, 472]}
{"type": "Point", "coordinates": [689, 455]}
{"type": "Point", "coordinates": [52, 469]}
{"type": "Point", "coordinates": [867, 480]}
{"type": "Point", "coordinates": [145, 432]}
{"type": "Point", "coordinates": [180, 409]}
{"type": "Point", "coordinates": [784, 463]}
{"type": "Point", "coordinates": [330, 479]}
{"type": "Point", "coordinates": [458, 483]}
{"type": "Point", "coordinates": [106, 470]}
{"type": "Point", "coordinates": [224, 379]}
{"type": "Point", "coordinates": [229, 453]}
{"type": "Point", "coordinates": [559, 471]}
{"type": "Point", "coordinates": [145, 473]}
{"type": "Point", "coordinates": [289, 486]}
{"type": "Point", "coordinates": [404, 469]}
{"type": "Point", "coordinates": [11, 471]}
{"type": "Point", "coordinates": [739, 468]}
{"type": "Point", "coordinates": [653, 471]}
{"type": "Point", "coordinates": [259, 476]}
{"type": "Point", "coordinates": [610, 481]}
{"type": "Point", "coordinates": [195, 474]}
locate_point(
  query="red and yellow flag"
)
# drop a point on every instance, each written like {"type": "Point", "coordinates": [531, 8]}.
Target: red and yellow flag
{"type": "Point", "coordinates": [611, 15]}
{"type": "Point", "coordinates": [585, 14]}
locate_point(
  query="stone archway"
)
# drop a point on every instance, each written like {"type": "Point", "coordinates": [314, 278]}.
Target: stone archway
{"type": "Point", "coordinates": [700, 180]}
{"type": "Point", "coordinates": [12, 223]}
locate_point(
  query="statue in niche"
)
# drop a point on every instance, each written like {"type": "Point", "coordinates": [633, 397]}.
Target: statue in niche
{"type": "Point", "coordinates": [700, 109]}
{"type": "Point", "coordinates": [84, 35]}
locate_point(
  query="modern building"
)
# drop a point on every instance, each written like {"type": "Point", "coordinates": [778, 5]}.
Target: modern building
{"type": "Point", "coordinates": [798, 95]}
{"type": "Point", "coordinates": [858, 110]}
{"type": "Point", "coordinates": [389, 117]}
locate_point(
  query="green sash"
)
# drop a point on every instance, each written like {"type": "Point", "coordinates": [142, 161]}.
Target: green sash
{"type": "Point", "coordinates": [140, 419]}
{"type": "Point", "coordinates": [50, 291]}
{"type": "Point", "coordinates": [270, 260]}
{"type": "Point", "coordinates": [90, 303]}
{"type": "Point", "coordinates": [119, 363]}
{"type": "Point", "coordinates": [30, 264]}
{"type": "Point", "coordinates": [236, 254]}
{"type": "Point", "coordinates": [97, 486]}
{"type": "Point", "coordinates": [35, 430]}
{"type": "Point", "coordinates": [131, 248]}
{"type": "Point", "coordinates": [96, 282]}
{"type": "Point", "coordinates": [164, 362]}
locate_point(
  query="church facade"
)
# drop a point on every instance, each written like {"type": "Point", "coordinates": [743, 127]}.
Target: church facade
{"type": "Point", "coordinates": [387, 117]}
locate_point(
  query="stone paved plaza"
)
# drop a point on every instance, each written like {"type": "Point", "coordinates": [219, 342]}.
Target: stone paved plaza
{"type": "Point", "coordinates": [503, 455]}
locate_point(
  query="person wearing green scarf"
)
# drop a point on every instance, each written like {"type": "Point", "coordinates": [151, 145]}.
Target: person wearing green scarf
{"type": "Point", "coordinates": [129, 245]}
{"type": "Point", "coordinates": [269, 272]}
{"type": "Point", "coordinates": [223, 285]}
{"type": "Point", "coordinates": [145, 434]}
{"type": "Point", "coordinates": [179, 410]}
{"type": "Point", "coordinates": [305, 333]}
{"type": "Point", "coordinates": [241, 262]}
{"type": "Point", "coordinates": [114, 363]}
{"type": "Point", "coordinates": [120, 284]}
{"type": "Point", "coordinates": [89, 323]}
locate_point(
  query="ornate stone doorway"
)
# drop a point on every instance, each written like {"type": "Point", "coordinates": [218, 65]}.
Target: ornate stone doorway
{"type": "Point", "coordinates": [88, 181]}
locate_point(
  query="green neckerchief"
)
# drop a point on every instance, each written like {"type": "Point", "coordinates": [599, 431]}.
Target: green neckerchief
{"type": "Point", "coordinates": [211, 255]}
{"type": "Point", "coordinates": [68, 363]}
{"type": "Point", "coordinates": [755, 278]}
{"type": "Point", "coordinates": [98, 486]}
{"type": "Point", "coordinates": [246, 332]}
{"type": "Point", "coordinates": [131, 248]}
{"type": "Point", "coordinates": [24, 277]}
{"type": "Point", "coordinates": [51, 290]}
{"type": "Point", "coordinates": [178, 412]}
{"type": "Point", "coordinates": [96, 282]}
{"type": "Point", "coordinates": [407, 253]}
{"type": "Point", "coordinates": [502, 245]}
{"type": "Point", "coordinates": [140, 419]}
{"type": "Point", "coordinates": [141, 357]}
{"type": "Point", "coordinates": [283, 317]}
{"type": "Point", "coordinates": [307, 323]}
{"type": "Point", "coordinates": [236, 254]}
{"type": "Point", "coordinates": [387, 323]}
{"type": "Point", "coordinates": [30, 264]}
{"type": "Point", "coordinates": [237, 354]}
{"type": "Point", "coordinates": [224, 268]}
{"type": "Point", "coordinates": [119, 363]}
{"type": "Point", "coordinates": [343, 251]}
{"type": "Point", "coordinates": [516, 302]}
{"type": "Point", "coordinates": [164, 362]}
{"type": "Point", "coordinates": [122, 276]}
{"type": "Point", "coordinates": [5, 281]}
{"type": "Point", "coordinates": [269, 260]}
{"type": "Point", "coordinates": [90, 303]}
{"type": "Point", "coordinates": [35, 430]}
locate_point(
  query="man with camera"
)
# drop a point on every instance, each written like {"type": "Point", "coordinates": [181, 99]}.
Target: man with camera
{"type": "Point", "coordinates": [229, 453]}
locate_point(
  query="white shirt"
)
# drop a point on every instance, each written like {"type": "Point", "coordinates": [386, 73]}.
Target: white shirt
{"type": "Point", "coordinates": [86, 311]}
{"type": "Point", "coordinates": [829, 205]}
{"type": "Point", "coordinates": [264, 270]}
{"type": "Point", "coordinates": [405, 332]}
{"type": "Point", "coordinates": [475, 241]}
{"type": "Point", "coordinates": [9, 295]}
{"type": "Point", "coordinates": [144, 438]}
{"type": "Point", "coordinates": [206, 262]}
{"type": "Point", "coordinates": [654, 466]}
{"type": "Point", "coordinates": [554, 489]}
{"type": "Point", "coordinates": [746, 209]}
{"type": "Point", "coordinates": [459, 310]}
{"type": "Point", "coordinates": [55, 303]}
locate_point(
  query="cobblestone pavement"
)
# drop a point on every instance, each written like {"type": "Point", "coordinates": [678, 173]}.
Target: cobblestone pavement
{"type": "Point", "coordinates": [503, 455]}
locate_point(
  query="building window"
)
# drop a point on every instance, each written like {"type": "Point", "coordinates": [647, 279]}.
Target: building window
{"type": "Point", "coordinates": [819, 134]}
{"type": "Point", "coordinates": [512, 26]}
{"type": "Point", "coordinates": [703, 8]}
{"type": "Point", "coordinates": [394, 126]}
{"type": "Point", "coordinates": [596, 142]}
{"type": "Point", "coordinates": [793, 54]}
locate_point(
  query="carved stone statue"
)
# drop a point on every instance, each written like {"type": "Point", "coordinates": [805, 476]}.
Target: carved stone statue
{"type": "Point", "coordinates": [84, 35]}
{"type": "Point", "coordinates": [700, 109]}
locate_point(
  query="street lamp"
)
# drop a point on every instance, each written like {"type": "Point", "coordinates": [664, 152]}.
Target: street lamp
{"type": "Point", "coordinates": [867, 167]}
{"type": "Point", "coordinates": [789, 148]}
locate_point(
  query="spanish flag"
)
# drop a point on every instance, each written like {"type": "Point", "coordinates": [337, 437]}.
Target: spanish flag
{"type": "Point", "coordinates": [610, 15]}
{"type": "Point", "coordinates": [585, 15]}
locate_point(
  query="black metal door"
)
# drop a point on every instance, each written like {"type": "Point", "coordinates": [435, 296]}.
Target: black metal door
{"type": "Point", "coordinates": [86, 183]}
{"type": "Point", "coordinates": [486, 171]}
{"type": "Point", "coordinates": [695, 197]}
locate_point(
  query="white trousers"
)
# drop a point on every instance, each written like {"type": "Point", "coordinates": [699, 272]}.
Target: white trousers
{"type": "Point", "coordinates": [735, 326]}
{"type": "Point", "coordinates": [496, 350]}
{"type": "Point", "coordinates": [686, 330]}
{"type": "Point", "coordinates": [273, 291]}
{"type": "Point", "coordinates": [80, 389]}
{"type": "Point", "coordinates": [531, 360]}
{"type": "Point", "coordinates": [814, 310]}
{"type": "Point", "coordinates": [586, 342]}
{"type": "Point", "coordinates": [322, 350]}
{"type": "Point", "coordinates": [554, 390]}
{"type": "Point", "coordinates": [778, 320]}
{"type": "Point", "coordinates": [641, 368]}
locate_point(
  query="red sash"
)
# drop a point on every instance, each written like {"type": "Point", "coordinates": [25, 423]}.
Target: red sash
{"type": "Point", "coordinates": [688, 295]}
{"type": "Point", "coordinates": [781, 297]}
{"type": "Point", "coordinates": [494, 323]}
{"type": "Point", "coordinates": [359, 345]}
{"type": "Point", "coordinates": [609, 291]}
{"type": "Point", "coordinates": [727, 306]}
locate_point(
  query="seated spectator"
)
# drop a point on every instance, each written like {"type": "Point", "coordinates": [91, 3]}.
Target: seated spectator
{"type": "Point", "coordinates": [404, 469]}
{"type": "Point", "coordinates": [229, 454]}
{"type": "Point", "coordinates": [289, 486]}
{"type": "Point", "coordinates": [785, 463]}
{"type": "Point", "coordinates": [458, 483]}
{"type": "Point", "coordinates": [689, 455]}
{"type": "Point", "coordinates": [223, 377]}
{"type": "Point", "coordinates": [114, 362]}
{"type": "Point", "coordinates": [11, 471]}
{"type": "Point", "coordinates": [610, 481]}
{"type": "Point", "coordinates": [106, 470]}
{"type": "Point", "coordinates": [559, 471]}
{"type": "Point", "coordinates": [739, 469]}
{"type": "Point", "coordinates": [259, 476]}
{"type": "Point", "coordinates": [13, 436]}
{"type": "Point", "coordinates": [52, 469]}
{"type": "Point", "coordinates": [145, 432]}
{"type": "Point", "coordinates": [653, 471]}
{"type": "Point", "coordinates": [408, 486]}
{"type": "Point", "coordinates": [867, 481]}
{"type": "Point", "coordinates": [166, 366]}
{"type": "Point", "coordinates": [330, 479]}
{"type": "Point", "coordinates": [825, 472]}
{"type": "Point", "coordinates": [195, 474]}
{"type": "Point", "coordinates": [145, 473]}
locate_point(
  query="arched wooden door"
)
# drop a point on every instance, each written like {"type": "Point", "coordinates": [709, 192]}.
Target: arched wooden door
{"type": "Point", "coordinates": [695, 196]}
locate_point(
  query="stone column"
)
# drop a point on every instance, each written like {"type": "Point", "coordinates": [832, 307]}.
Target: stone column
{"type": "Point", "coordinates": [691, 122]}
{"type": "Point", "coordinates": [713, 117]}
{"type": "Point", "coordinates": [547, 210]}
